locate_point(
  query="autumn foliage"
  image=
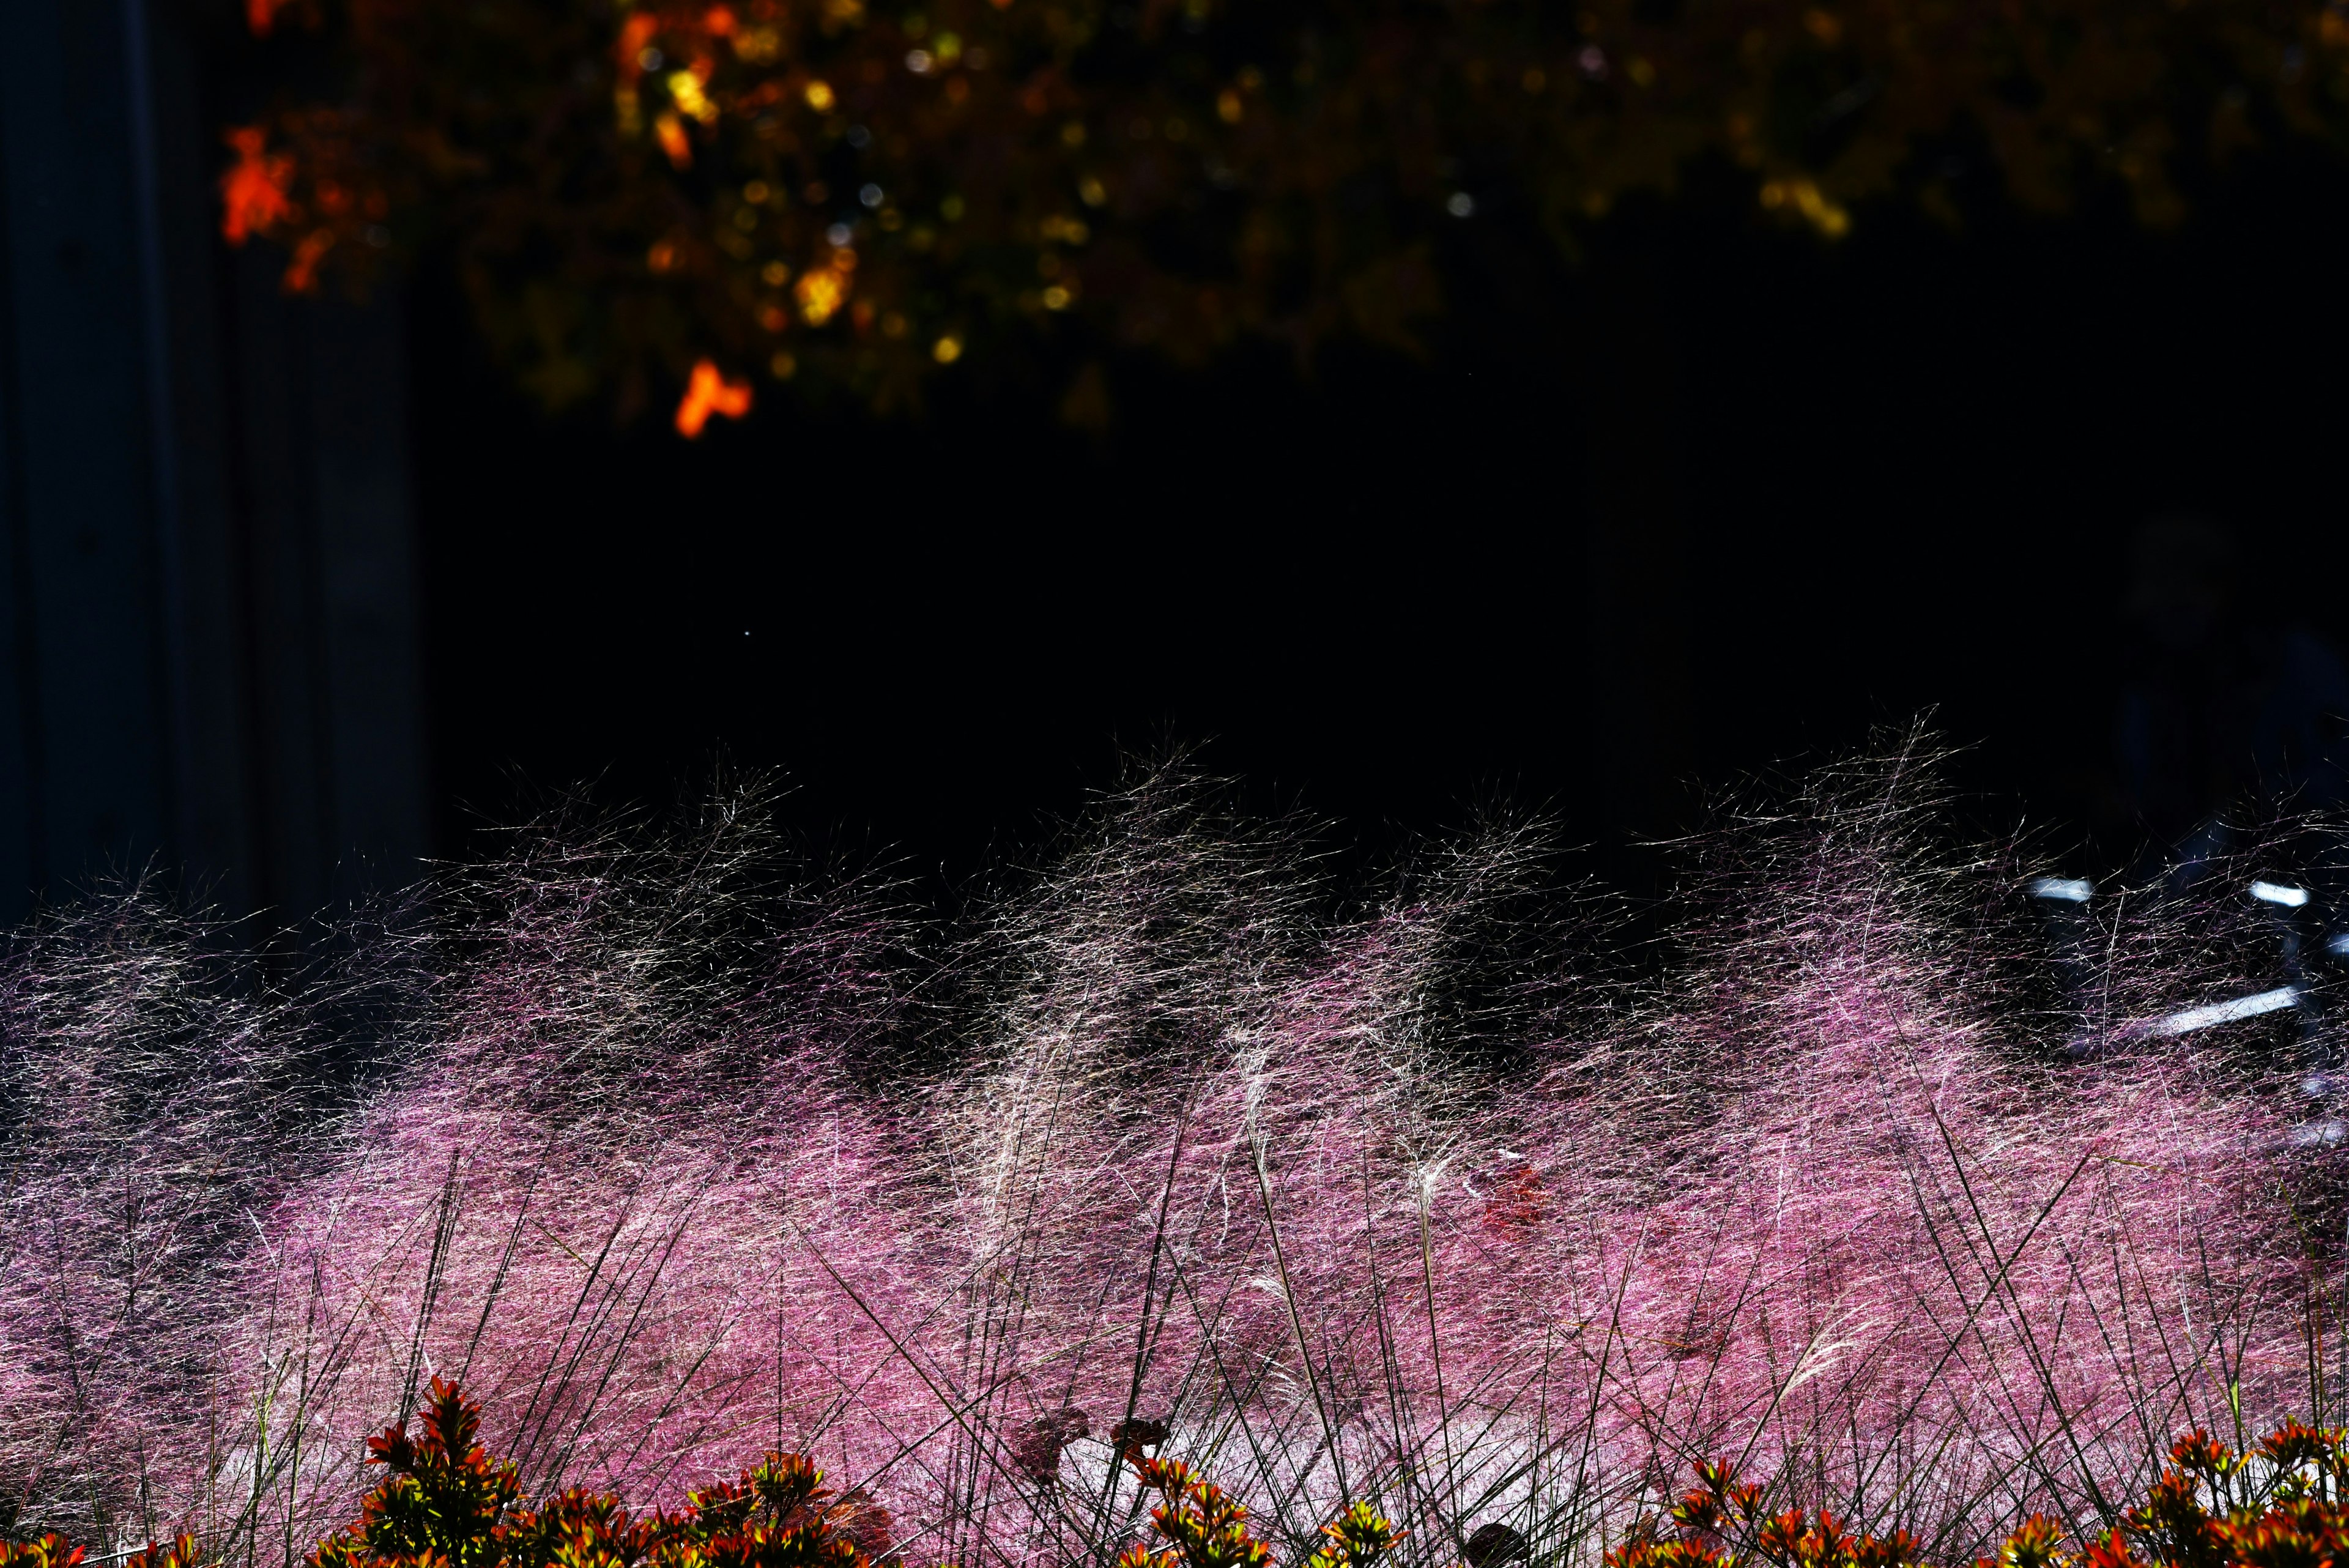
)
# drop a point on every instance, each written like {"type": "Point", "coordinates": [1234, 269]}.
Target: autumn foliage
{"type": "Point", "coordinates": [447, 1503]}
{"type": "Point", "coordinates": [865, 192]}
{"type": "Point", "coordinates": [2281, 1503]}
{"type": "Point", "coordinates": [52, 1551]}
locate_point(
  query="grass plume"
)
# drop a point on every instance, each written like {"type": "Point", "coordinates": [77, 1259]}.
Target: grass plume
{"type": "Point", "coordinates": [674, 1150]}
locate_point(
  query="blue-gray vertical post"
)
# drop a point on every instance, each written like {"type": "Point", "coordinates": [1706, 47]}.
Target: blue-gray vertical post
{"type": "Point", "coordinates": [208, 594]}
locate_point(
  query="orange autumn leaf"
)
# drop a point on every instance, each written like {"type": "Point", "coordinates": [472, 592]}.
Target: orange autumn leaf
{"type": "Point", "coordinates": [302, 272]}
{"type": "Point", "coordinates": [252, 193]}
{"type": "Point", "coordinates": [635, 34]}
{"type": "Point", "coordinates": [673, 141]}
{"type": "Point", "coordinates": [821, 294]}
{"type": "Point", "coordinates": [708, 393]}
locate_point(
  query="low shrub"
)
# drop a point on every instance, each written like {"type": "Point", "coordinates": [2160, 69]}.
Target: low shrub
{"type": "Point", "coordinates": [447, 1503]}
{"type": "Point", "coordinates": [52, 1551]}
{"type": "Point", "coordinates": [1206, 1528]}
{"type": "Point", "coordinates": [2277, 1504]}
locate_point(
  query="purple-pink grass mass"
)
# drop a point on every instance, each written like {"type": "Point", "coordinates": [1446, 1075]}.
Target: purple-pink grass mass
{"type": "Point", "coordinates": [1435, 1188]}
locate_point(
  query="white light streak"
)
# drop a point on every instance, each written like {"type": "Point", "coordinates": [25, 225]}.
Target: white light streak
{"type": "Point", "coordinates": [2278, 893]}
{"type": "Point", "coordinates": [2063, 890]}
{"type": "Point", "coordinates": [2203, 1017]}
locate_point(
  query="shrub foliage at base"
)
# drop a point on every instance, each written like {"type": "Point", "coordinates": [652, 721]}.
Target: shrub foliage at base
{"type": "Point", "coordinates": [2277, 1504]}
{"type": "Point", "coordinates": [447, 1503]}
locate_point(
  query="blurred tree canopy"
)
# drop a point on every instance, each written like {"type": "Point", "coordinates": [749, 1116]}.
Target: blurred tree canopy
{"type": "Point", "coordinates": [649, 200]}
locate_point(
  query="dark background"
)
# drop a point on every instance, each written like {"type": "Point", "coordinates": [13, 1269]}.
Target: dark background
{"type": "Point", "coordinates": [297, 594]}
{"type": "Point", "coordinates": [1719, 498]}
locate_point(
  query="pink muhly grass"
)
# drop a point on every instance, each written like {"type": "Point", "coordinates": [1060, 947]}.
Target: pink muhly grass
{"type": "Point", "coordinates": [673, 1152]}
